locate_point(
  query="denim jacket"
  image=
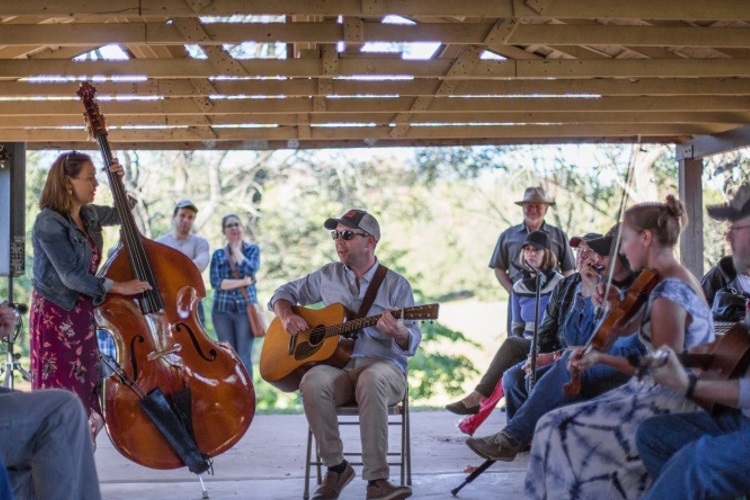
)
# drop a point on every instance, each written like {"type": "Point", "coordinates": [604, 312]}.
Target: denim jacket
{"type": "Point", "coordinates": [62, 255]}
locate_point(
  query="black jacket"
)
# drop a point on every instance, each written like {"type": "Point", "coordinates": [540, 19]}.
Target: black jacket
{"type": "Point", "coordinates": [719, 285]}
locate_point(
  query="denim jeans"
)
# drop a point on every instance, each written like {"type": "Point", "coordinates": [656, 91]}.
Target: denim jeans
{"type": "Point", "coordinates": [525, 409]}
{"type": "Point", "coordinates": [696, 455]}
{"type": "Point", "coordinates": [234, 328]}
{"type": "Point", "coordinates": [45, 443]}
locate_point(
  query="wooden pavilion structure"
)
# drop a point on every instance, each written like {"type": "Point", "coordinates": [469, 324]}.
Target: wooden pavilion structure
{"type": "Point", "coordinates": [244, 74]}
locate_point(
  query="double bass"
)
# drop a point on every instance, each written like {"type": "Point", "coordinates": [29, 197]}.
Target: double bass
{"type": "Point", "coordinates": [162, 348]}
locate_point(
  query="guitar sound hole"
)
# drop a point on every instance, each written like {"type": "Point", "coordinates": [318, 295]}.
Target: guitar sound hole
{"type": "Point", "coordinates": [317, 335]}
{"type": "Point", "coordinates": [315, 340]}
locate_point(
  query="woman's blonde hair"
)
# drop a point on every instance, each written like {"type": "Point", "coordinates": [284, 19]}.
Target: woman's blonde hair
{"type": "Point", "coordinates": [56, 194]}
{"type": "Point", "coordinates": [665, 220]}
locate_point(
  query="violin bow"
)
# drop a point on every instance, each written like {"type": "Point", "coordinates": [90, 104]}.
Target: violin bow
{"type": "Point", "coordinates": [614, 249]}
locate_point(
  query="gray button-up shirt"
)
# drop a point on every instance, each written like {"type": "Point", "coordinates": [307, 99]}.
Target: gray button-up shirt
{"type": "Point", "coordinates": [509, 244]}
{"type": "Point", "coordinates": [335, 282]}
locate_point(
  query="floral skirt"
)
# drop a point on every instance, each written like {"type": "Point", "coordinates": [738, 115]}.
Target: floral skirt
{"type": "Point", "coordinates": [64, 350]}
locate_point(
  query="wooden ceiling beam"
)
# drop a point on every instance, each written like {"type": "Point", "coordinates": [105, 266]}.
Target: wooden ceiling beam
{"type": "Point", "coordinates": [635, 36]}
{"type": "Point", "coordinates": [385, 68]}
{"type": "Point", "coordinates": [497, 117]}
{"type": "Point", "coordinates": [86, 34]}
{"type": "Point", "coordinates": [417, 87]}
{"type": "Point", "coordinates": [726, 10]}
{"type": "Point", "coordinates": [187, 106]}
{"type": "Point", "coordinates": [372, 133]}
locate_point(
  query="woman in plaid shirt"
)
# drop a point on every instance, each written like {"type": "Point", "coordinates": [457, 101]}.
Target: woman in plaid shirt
{"type": "Point", "coordinates": [229, 314]}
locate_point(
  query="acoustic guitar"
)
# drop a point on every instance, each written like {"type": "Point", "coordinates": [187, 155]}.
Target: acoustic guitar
{"type": "Point", "coordinates": [286, 358]}
{"type": "Point", "coordinates": [725, 358]}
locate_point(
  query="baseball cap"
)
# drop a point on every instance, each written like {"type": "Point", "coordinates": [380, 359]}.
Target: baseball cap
{"type": "Point", "coordinates": [576, 240]}
{"type": "Point", "coordinates": [603, 245]}
{"type": "Point", "coordinates": [735, 209]}
{"type": "Point", "coordinates": [537, 239]}
{"type": "Point", "coordinates": [358, 219]}
{"type": "Point", "coordinates": [185, 203]}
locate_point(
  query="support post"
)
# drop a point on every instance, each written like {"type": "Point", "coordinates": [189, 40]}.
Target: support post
{"type": "Point", "coordinates": [691, 195]}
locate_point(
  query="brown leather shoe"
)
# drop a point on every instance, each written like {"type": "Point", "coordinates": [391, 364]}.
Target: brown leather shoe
{"type": "Point", "coordinates": [381, 489]}
{"type": "Point", "coordinates": [495, 447]}
{"type": "Point", "coordinates": [333, 483]}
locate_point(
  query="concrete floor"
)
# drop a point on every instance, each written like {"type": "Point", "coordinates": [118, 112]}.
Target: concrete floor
{"type": "Point", "coordinates": [268, 463]}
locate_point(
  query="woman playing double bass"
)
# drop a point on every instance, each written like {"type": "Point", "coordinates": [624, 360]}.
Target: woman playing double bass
{"type": "Point", "coordinates": [588, 449]}
{"type": "Point", "coordinates": [67, 242]}
{"type": "Point", "coordinates": [178, 398]}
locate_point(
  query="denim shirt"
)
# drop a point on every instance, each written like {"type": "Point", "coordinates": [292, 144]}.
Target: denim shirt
{"type": "Point", "coordinates": [62, 255]}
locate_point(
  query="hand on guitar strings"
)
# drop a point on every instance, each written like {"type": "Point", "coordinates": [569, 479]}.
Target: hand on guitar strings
{"type": "Point", "coordinates": [665, 369]}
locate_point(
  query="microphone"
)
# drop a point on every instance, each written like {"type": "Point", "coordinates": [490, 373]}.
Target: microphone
{"type": "Point", "coordinates": [539, 275]}
{"type": "Point", "coordinates": [20, 308]}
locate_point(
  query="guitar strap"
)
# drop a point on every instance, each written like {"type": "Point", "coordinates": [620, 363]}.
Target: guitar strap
{"type": "Point", "coordinates": [372, 290]}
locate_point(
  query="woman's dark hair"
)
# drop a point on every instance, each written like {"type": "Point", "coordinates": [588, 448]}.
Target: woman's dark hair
{"type": "Point", "coordinates": [665, 220]}
{"type": "Point", "coordinates": [226, 218]}
{"type": "Point", "coordinates": [56, 194]}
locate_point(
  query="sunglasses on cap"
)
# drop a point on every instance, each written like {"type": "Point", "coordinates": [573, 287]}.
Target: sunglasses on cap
{"type": "Point", "coordinates": [346, 235]}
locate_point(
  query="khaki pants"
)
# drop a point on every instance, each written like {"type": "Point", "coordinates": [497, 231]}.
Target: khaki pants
{"type": "Point", "coordinates": [374, 384]}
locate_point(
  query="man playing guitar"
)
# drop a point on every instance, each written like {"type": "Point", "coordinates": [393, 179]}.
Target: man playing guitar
{"type": "Point", "coordinates": [375, 376]}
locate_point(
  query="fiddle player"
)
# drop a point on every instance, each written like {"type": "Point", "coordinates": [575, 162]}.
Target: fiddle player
{"type": "Point", "coordinates": [182, 238]}
{"type": "Point", "coordinates": [525, 406]}
{"type": "Point", "coordinates": [375, 377]}
{"type": "Point", "coordinates": [67, 241]}
{"type": "Point", "coordinates": [45, 444]}
{"type": "Point", "coordinates": [589, 448]}
{"type": "Point", "coordinates": [700, 455]}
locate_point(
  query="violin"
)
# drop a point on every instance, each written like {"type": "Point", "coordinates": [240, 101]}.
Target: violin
{"type": "Point", "coordinates": [179, 398]}
{"type": "Point", "coordinates": [607, 331]}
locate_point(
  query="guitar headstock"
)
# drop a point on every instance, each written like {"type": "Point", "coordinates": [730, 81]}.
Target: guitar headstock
{"type": "Point", "coordinates": [93, 117]}
{"type": "Point", "coordinates": [425, 312]}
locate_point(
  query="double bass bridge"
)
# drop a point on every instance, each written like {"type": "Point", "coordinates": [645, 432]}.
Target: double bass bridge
{"type": "Point", "coordinates": [168, 355]}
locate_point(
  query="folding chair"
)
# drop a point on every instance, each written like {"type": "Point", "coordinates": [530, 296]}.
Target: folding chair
{"type": "Point", "coordinates": [398, 415]}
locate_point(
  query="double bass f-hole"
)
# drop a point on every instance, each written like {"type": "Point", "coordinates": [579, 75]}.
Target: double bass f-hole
{"type": "Point", "coordinates": [212, 354]}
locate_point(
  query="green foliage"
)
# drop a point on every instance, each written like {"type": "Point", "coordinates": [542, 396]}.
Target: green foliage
{"type": "Point", "coordinates": [432, 372]}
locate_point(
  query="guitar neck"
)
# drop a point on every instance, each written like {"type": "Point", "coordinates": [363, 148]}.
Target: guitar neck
{"type": "Point", "coordinates": [357, 324]}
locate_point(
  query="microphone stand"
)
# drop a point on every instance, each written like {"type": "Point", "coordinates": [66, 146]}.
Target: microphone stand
{"type": "Point", "coordinates": [11, 360]}
{"type": "Point", "coordinates": [539, 282]}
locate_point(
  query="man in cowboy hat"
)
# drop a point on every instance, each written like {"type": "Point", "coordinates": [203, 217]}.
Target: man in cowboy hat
{"type": "Point", "coordinates": [535, 204]}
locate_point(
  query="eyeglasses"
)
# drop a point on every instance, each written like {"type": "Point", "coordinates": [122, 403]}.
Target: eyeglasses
{"type": "Point", "coordinates": [734, 229]}
{"type": "Point", "coordinates": [346, 235]}
{"type": "Point", "coordinates": [232, 225]}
